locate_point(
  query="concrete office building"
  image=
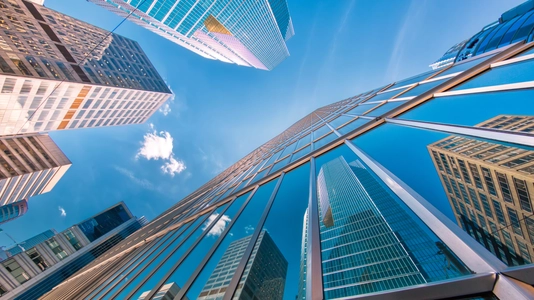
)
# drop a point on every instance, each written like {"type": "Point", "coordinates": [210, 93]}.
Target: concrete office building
{"type": "Point", "coordinates": [489, 187]}
{"type": "Point", "coordinates": [30, 165]}
{"type": "Point", "coordinates": [57, 72]}
{"type": "Point", "coordinates": [251, 34]}
{"type": "Point", "coordinates": [382, 134]}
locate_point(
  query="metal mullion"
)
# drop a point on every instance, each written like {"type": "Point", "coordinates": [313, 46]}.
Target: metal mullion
{"type": "Point", "coordinates": [486, 89]}
{"type": "Point", "coordinates": [464, 76]}
{"type": "Point", "coordinates": [165, 248]}
{"type": "Point", "coordinates": [140, 260]}
{"type": "Point", "coordinates": [480, 132]}
{"type": "Point", "coordinates": [182, 258]}
{"type": "Point", "coordinates": [331, 128]}
{"type": "Point", "coordinates": [523, 273]}
{"type": "Point", "coordinates": [451, 288]}
{"type": "Point", "coordinates": [314, 273]}
{"type": "Point", "coordinates": [203, 263]}
{"type": "Point", "coordinates": [510, 288]}
{"type": "Point", "coordinates": [475, 256]}
{"type": "Point", "coordinates": [232, 287]}
{"type": "Point", "coordinates": [101, 282]}
{"type": "Point", "coordinates": [83, 288]}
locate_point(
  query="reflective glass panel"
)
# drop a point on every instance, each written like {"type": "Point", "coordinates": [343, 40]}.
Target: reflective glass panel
{"type": "Point", "coordinates": [512, 73]}
{"type": "Point", "coordinates": [327, 139]}
{"type": "Point", "coordinates": [340, 121]}
{"type": "Point", "coordinates": [175, 251]}
{"type": "Point", "coordinates": [304, 140]}
{"type": "Point", "coordinates": [385, 96]}
{"type": "Point", "coordinates": [413, 79]}
{"type": "Point", "coordinates": [370, 241]}
{"type": "Point", "coordinates": [418, 90]}
{"type": "Point", "coordinates": [464, 66]}
{"type": "Point", "coordinates": [320, 132]}
{"type": "Point", "coordinates": [279, 165]}
{"type": "Point", "coordinates": [473, 109]}
{"type": "Point", "coordinates": [220, 269]}
{"type": "Point", "coordinates": [184, 271]}
{"type": "Point", "coordinates": [353, 125]}
{"type": "Point", "coordinates": [300, 153]}
{"type": "Point", "coordinates": [362, 108]}
{"type": "Point", "coordinates": [484, 186]}
{"type": "Point", "coordinates": [276, 269]}
{"type": "Point", "coordinates": [384, 108]}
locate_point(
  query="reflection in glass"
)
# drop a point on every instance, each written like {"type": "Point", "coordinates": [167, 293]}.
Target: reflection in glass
{"type": "Point", "coordinates": [370, 242]}
{"type": "Point", "coordinates": [489, 187]}
{"type": "Point", "coordinates": [282, 238]}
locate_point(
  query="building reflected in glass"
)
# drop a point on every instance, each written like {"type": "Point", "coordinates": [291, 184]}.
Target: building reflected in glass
{"type": "Point", "coordinates": [368, 241]}
{"type": "Point", "coordinates": [489, 186]}
{"type": "Point", "coordinates": [258, 281]}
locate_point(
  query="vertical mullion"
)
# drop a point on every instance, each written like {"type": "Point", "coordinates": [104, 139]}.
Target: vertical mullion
{"type": "Point", "coordinates": [181, 294]}
{"type": "Point", "coordinates": [314, 274]}
{"type": "Point", "coordinates": [182, 258]}
{"type": "Point", "coordinates": [475, 256]}
{"type": "Point", "coordinates": [165, 247]}
{"type": "Point", "coordinates": [230, 290]}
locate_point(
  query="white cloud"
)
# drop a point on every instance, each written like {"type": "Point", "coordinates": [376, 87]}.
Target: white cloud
{"type": "Point", "coordinates": [141, 182]}
{"type": "Point", "coordinates": [62, 211]}
{"type": "Point", "coordinates": [219, 227]}
{"type": "Point", "coordinates": [249, 229]}
{"type": "Point", "coordinates": [165, 109]}
{"type": "Point", "coordinates": [158, 146]}
{"type": "Point", "coordinates": [173, 167]}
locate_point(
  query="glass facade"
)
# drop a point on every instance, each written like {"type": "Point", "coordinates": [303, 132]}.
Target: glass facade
{"type": "Point", "coordinates": [104, 222]}
{"type": "Point", "coordinates": [420, 189]}
{"type": "Point", "coordinates": [251, 34]}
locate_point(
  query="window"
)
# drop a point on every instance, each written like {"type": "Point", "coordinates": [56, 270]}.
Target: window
{"type": "Point", "coordinates": [489, 181]}
{"type": "Point", "coordinates": [505, 188]}
{"type": "Point", "coordinates": [476, 176]}
{"type": "Point", "coordinates": [463, 169]}
{"type": "Point", "coordinates": [56, 248]}
{"type": "Point", "coordinates": [13, 267]}
{"type": "Point", "coordinates": [514, 219]}
{"type": "Point", "coordinates": [499, 212]}
{"type": "Point", "coordinates": [73, 240]}
{"type": "Point", "coordinates": [37, 259]}
{"type": "Point", "coordinates": [522, 192]}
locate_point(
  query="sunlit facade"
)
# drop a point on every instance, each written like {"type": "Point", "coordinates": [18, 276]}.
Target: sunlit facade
{"type": "Point", "coordinates": [379, 142]}
{"type": "Point", "coordinates": [30, 164]}
{"type": "Point", "coordinates": [489, 187]}
{"type": "Point", "coordinates": [43, 261]}
{"type": "Point", "coordinates": [251, 34]}
{"type": "Point", "coordinates": [57, 72]}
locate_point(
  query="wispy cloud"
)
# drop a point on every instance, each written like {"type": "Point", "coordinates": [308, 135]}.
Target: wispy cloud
{"type": "Point", "coordinates": [165, 109]}
{"type": "Point", "coordinates": [211, 161]}
{"type": "Point", "coordinates": [219, 227]}
{"type": "Point", "coordinates": [159, 145]}
{"type": "Point", "coordinates": [62, 211]}
{"type": "Point", "coordinates": [144, 183]}
{"type": "Point", "coordinates": [410, 19]}
{"type": "Point", "coordinates": [249, 229]}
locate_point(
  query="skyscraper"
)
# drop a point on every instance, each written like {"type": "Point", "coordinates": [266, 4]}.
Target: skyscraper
{"type": "Point", "coordinates": [378, 222]}
{"type": "Point", "coordinates": [489, 187]}
{"type": "Point", "coordinates": [43, 261]}
{"type": "Point", "coordinates": [57, 72]}
{"type": "Point", "coordinates": [258, 283]}
{"type": "Point", "coordinates": [13, 210]}
{"type": "Point", "coordinates": [251, 34]}
{"type": "Point", "coordinates": [30, 165]}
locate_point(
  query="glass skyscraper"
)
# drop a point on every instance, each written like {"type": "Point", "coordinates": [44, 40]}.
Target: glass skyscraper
{"type": "Point", "coordinates": [250, 33]}
{"type": "Point", "coordinates": [13, 210]}
{"type": "Point", "coordinates": [377, 221]}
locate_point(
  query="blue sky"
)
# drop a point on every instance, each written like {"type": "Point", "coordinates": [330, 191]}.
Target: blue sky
{"type": "Point", "coordinates": [222, 111]}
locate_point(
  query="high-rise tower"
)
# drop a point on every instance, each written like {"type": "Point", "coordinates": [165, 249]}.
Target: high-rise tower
{"type": "Point", "coordinates": [57, 72]}
{"type": "Point", "coordinates": [251, 34]}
